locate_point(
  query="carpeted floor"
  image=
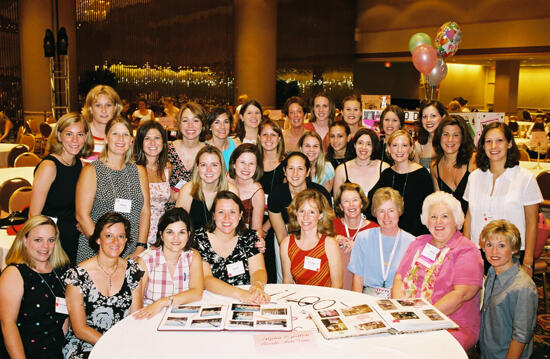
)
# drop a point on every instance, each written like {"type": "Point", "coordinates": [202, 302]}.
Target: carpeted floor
{"type": "Point", "coordinates": [541, 347]}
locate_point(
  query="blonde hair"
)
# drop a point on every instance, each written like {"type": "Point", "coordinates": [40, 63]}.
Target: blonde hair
{"type": "Point", "coordinates": [325, 225]}
{"type": "Point", "coordinates": [394, 135]}
{"type": "Point", "coordinates": [223, 185]}
{"type": "Point", "coordinates": [320, 163]}
{"type": "Point", "coordinates": [504, 228]}
{"type": "Point", "coordinates": [65, 121]}
{"type": "Point", "coordinates": [17, 254]}
{"type": "Point", "coordinates": [387, 194]}
{"type": "Point", "coordinates": [129, 153]}
{"type": "Point", "coordinates": [92, 96]}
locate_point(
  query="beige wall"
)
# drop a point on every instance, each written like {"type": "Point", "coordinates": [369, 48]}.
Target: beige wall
{"type": "Point", "coordinates": [468, 81]}
{"type": "Point", "coordinates": [534, 87]}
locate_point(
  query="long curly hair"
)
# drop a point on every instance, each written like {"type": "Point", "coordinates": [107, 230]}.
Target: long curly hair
{"type": "Point", "coordinates": [466, 149]}
{"type": "Point", "coordinates": [326, 215]}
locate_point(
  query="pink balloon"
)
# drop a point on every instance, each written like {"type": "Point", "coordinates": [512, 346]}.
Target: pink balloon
{"type": "Point", "coordinates": [424, 58]}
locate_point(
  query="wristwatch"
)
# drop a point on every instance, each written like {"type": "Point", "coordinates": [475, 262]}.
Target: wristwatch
{"type": "Point", "coordinates": [528, 266]}
{"type": "Point", "coordinates": [171, 298]}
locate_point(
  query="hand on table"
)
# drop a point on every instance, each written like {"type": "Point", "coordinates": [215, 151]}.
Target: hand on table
{"type": "Point", "coordinates": [151, 310]}
{"type": "Point", "coordinates": [255, 295]}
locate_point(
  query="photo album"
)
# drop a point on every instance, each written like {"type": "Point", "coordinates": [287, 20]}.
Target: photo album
{"type": "Point", "coordinates": [236, 316]}
{"type": "Point", "coordinates": [393, 316]}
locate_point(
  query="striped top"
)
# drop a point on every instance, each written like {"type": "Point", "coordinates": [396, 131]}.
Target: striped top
{"type": "Point", "coordinates": [301, 275]}
{"type": "Point", "coordinates": [160, 283]}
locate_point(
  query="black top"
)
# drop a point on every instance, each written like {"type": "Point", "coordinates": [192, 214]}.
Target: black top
{"type": "Point", "coordinates": [40, 327]}
{"type": "Point", "coordinates": [414, 186]}
{"type": "Point", "coordinates": [458, 193]}
{"type": "Point", "coordinates": [338, 161]}
{"type": "Point", "coordinates": [199, 214]}
{"type": "Point", "coordinates": [60, 203]}
{"type": "Point", "coordinates": [384, 156]}
{"type": "Point", "coordinates": [280, 202]}
{"type": "Point", "coordinates": [272, 179]}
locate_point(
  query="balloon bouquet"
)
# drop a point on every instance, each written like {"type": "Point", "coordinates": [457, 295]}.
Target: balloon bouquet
{"type": "Point", "coordinates": [429, 59]}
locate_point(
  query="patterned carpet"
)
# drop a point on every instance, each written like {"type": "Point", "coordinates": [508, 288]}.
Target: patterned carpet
{"type": "Point", "coordinates": [541, 348]}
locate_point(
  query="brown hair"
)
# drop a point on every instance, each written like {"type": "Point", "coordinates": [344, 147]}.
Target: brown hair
{"type": "Point", "coordinates": [325, 225]}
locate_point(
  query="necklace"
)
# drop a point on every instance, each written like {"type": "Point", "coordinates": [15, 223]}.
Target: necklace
{"type": "Point", "coordinates": [361, 166]}
{"type": "Point", "coordinates": [62, 160]}
{"type": "Point", "coordinates": [110, 275]}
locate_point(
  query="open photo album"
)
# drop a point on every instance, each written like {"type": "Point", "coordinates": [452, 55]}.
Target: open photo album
{"type": "Point", "coordinates": [235, 316]}
{"type": "Point", "coordinates": [394, 316]}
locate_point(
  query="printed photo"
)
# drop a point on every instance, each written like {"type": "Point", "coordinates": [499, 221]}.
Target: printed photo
{"type": "Point", "coordinates": [211, 312]}
{"type": "Point", "coordinates": [356, 310]}
{"type": "Point", "coordinates": [404, 315]}
{"type": "Point", "coordinates": [176, 322]}
{"type": "Point", "coordinates": [327, 313]}
{"type": "Point", "coordinates": [243, 315]}
{"type": "Point", "coordinates": [240, 324]}
{"type": "Point", "coordinates": [206, 323]}
{"type": "Point", "coordinates": [278, 323]}
{"type": "Point", "coordinates": [334, 324]}
{"type": "Point", "coordinates": [245, 307]}
{"type": "Point", "coordinates": [370, 325]}
{"type": "Point", "coordinates": [274, 311]}
{"type": "Point", "coordinates": [432, 314]}
{"type": "Point", "coordinates": [386, 304]}
{"type": "Point", "coordinates": [411, 302]}
{"type": "Point", "coordinates": [185, 309]}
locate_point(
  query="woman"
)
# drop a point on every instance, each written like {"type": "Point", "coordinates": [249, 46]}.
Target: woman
{"type": "Point", "coordinates": [322, 116]}
{"type": "Point", "coordinates": [338, 150]}
{"type": "Point", "coordinates": [310, 254]}
{"type": "Point", "coordinates": [55, 178]}
{"type": "Point", "coordinates": [349, 205]}
{"type": "Point", "coordinates": [103, 289]}
{"type": "Point", "coordinates": [250, 117]}
{"type": "Point", "coordinates": [219, 123]}
{"type": "Point", "coordinates": [430, 115]}
{"type": "Point", "coordinates": [229, 255]}
{"type": "Point", "coordinates": [296, 166]}
{"type": "Point", "coordinates": [500, 189]}
{"type": "Point", "coordinates": [244, 173]}
{"type": "Point", "coordinates": [7, 132]}
{"type": "Point", "coordinates": [453, 163]}
{"type": "Point", "coordinates": [351, 113]}
{"type": "Point", "coordinates": [182, 152]}
{"type": "Point", "coordinates": [151, 153]}
{"type": "Point", "coordinates": [444, 267]}
{"type": "Point", "coordinates": [295, 110]}
{"type": "Point", "coordinates": [209, 177]}
{"type": "Point", "coordinates": [142, 113]}
{"type": "Point", "coordinates": [102, 105]}
{"type": "Point", "coordinates": [30, 287]}
{"type": "Point", "coordinates": [378, 251]}
{"type": "Point", "coordinates": [114, 182]}
{"type": "Point", "coordinates": [392, 119]}
{"type": "Point", "coordinates": [272, 152]}
{"type": "Point", "coordinates": [172, 269]}
{"type": "Point", "coordinates": [321, 171]}
{"type": "Point", "coordinates": [412, 181]}
{"type": "Point", "coordinates": [364, 169]}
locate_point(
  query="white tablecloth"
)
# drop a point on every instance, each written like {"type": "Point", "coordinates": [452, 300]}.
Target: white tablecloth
{"type": "Point", "coordinates": [12, 172]}
{"type": "Point", "coordinates": [5, 244]}
{"type": "Point", "coordinates": [4, 150]}
{"type": "Point", "coordinates": [138, 339]}
{"type": "Point", "coordinates": [535, 168]}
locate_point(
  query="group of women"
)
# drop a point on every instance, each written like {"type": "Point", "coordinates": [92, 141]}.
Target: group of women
{"type": "Point", "coordinates": [148, 223]}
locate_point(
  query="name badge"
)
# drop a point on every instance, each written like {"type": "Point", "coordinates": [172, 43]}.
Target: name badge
{"type": "Point", "coordinates": [428, 255]}
{"type": "Point", "coordinates": [179, 185]}
{"type": "Point", "coordinates": [123, 205]}
{"type": "Point", "coordinates": [98, 148]}
{"type": "Point", "coordinates": [61, 305]}
{"type": "Point", "coordinates": [235, 269]}
{"type": "Point", "coordinates": [383, 292]}
{"type": "Point", "coordinates": [313, 264]}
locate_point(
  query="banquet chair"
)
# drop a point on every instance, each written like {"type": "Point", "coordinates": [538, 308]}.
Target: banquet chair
{"type": "Point", "coordinates": [6, 190]}
{"type": "Point", "coordinates": [45, 130]}
{"type": "Point", "coordinates": [541, 265]}
{"type": "Point", "coordinates": [27, 159]}
{"type": "Point", "coordinates": [20, 199]}
{"type": "Point", "coordinates": [27, 140]}
{"type": "Point", "coordinates": [543, 180]}
{"type": "Point", "coordinates": [524, 155]}
{"type": "Point", "coordinates": [14, 152]}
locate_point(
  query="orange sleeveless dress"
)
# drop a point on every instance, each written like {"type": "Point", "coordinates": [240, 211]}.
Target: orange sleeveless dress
{"type": "Point", "coordinates": [302, 275]}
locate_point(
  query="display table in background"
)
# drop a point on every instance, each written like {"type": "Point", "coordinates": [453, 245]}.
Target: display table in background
{"type": "Point", "coordinates": [139, 339]}
{"type": "Point", "coordinates": [532, 166]}
{"type": "Point", "coordinates": [4, 150]}
{"type": "Point", "coordinates": [12, 172]}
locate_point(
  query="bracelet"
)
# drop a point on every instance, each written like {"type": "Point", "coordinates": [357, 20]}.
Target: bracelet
{"type": "Point", "coordinates": [528, 266]}
{"type": "Point", "coordinates": [139, 244]}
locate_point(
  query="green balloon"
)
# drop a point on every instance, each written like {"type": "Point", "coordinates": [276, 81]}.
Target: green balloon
{"type": "Point", "coordinates": [418, 39]}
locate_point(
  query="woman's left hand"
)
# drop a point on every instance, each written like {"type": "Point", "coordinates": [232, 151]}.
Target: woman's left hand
{"type": "Point", "coordinates": [257, 295]}
{"type": "Point", "coordinates": [260, 244]}
{"type": "Point", "coordinates": [345, 243]}
{"type": "Point", "coordinates": [136, 253]}
{"type": "Point", "coordinates": [151, 310]}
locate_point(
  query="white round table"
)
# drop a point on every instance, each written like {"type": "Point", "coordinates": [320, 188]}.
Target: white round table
{"type": "Point", "coordinates": [137, 339]}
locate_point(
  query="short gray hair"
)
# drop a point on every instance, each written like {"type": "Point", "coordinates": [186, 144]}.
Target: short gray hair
{"type": "Point", "coordinates": [448, 200]}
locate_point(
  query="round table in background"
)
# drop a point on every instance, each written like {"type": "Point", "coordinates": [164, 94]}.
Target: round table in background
{"type": "Point", "coordinates": [139, 339]}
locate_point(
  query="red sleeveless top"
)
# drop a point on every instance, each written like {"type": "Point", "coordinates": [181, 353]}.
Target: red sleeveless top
{"type": "Point", "coordinates": [302, 275]}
